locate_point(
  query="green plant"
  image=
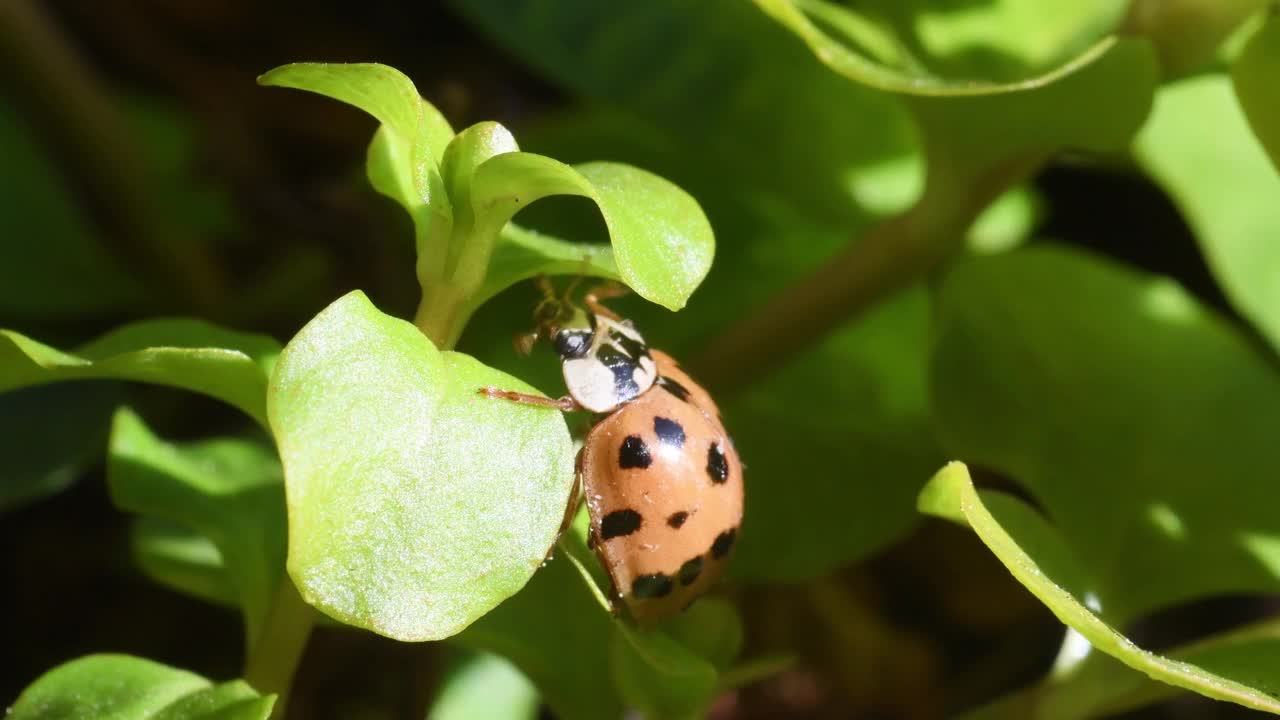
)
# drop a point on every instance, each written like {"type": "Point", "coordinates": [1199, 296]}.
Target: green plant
{"type": "Point", "coordinates": [880, 301]}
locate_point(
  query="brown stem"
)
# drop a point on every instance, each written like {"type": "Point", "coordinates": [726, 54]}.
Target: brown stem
{"type": "Point", "coordinates": [67, 105]}
{"type": "Point", "coordinates": [890, 256]}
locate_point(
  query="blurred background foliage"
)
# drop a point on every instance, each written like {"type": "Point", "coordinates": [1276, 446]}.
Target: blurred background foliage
{"type": "Point", "coordinates": [1087, 314]}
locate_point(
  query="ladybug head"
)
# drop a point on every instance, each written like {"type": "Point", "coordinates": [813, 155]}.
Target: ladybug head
{"type": "Point", "coordinates": [556, 317]}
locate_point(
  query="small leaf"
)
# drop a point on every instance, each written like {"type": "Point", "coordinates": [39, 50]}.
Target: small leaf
{"type": "Point", "coordinates": [521, 254]}
{"type": "Point", "coordinates": [188, 354]}
{"type": "Point", "coordinates": [659, 676]}
{"type": "Point", "coordinates": [557, 635]}
{"type": "Point", "coordinates": [182, 559]}
{"type": "Point", "coordinates": [404, 155]}
{"type": "Point", "coordinates": [951, 494]}
{"type": "Point", "coordinates": [416, 505]}
{"type": "Point", "coordinates": [121, 687]}
{"type": "Point", "coordinates": [485, 686]}
{"type": "Point", "coordinates": [1226, 189]}
{"type": "Point", "coordinates": [1254, 75]}
{"type": "Point", "coordinates": [662, 242]}
{"type": "Point", "coordinates": [228, 490]}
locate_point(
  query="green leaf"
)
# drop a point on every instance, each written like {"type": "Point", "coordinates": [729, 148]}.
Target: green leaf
{"type": "Point", "coordinates": [182, 559]}
{"type": "Point", "coordinates": [1188, 33]}
{"type": "Point", "coordinates": [48, 435]}
{"type": "Point", "coordinates": [416, 505]}
{"type": "Point", "coordinates": [227, 490]}
{"type": "Point", "coordinates": [920, 48]}
{"type": "Point", "coordinates": [1254, 75]}
{"type": "Point", "coordinates": [1225, 187]}
{"type": "Point", "coordinates": [187, 354]}
{"type": "Point", "coordinates": [521, 254]}
{"type": "Point", "coordinates": [50, 241]}
{"type": "Point", "coordinates": [1103, 686]}
{"type": "Point", "coordinates": [951, 495]}
{"type": "Point", "coordinates": [121, 687]}
{"type": "Point", "coordinates": [659, 676]}
{"type": "Point", "coordinates": [485, 686]}
{"type": "Point", "coordinates": [877, 365]}
{"type": "Point", "coordinates": [1090, 383]}
{"type": "Point", "coordinates": [404, 153]}
{"type": "Point", "coordinates": [662, 242]}
{"type": "Point", "coordinates": [556, 633]}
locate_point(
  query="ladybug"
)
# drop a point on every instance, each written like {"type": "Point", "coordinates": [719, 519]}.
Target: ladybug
{"type": "Point", "coordinates": [662, 480]}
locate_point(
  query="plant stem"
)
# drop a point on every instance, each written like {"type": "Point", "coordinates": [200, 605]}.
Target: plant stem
{"type": "Point", "coordinates": [890, 256]}
{"type": "Point", "coordinates": [87, 131]}
{"type": "Point", "coordinates": [442, 314]}
{"type": "Point", "coordinates": [274, 656]}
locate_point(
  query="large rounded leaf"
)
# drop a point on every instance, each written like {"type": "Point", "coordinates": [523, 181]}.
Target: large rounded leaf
{"type": "Point", "coordinates": [416, 505]}
{"type": "Point", "coordinates": [1255, 74]}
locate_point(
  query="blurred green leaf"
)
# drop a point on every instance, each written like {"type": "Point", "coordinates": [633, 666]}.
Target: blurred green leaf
{"type": "Point", "coordinates": [1188, 33]}
{"type": "Point", "coordinates": [485, 686]}
{"type": "Point", "coordinates": [1092, 384]}
{"type": "Point", "coordinates": [1254, 75]}
{"type": "Point", "coordinates": [227, 490]}
{"type": "Point", "coordinates": [188, 354]}
{"type": "Point", "coordinates": [554, 631]}
{"type": "Point", "coordinates": [662, 242]}
{"type": "Point", "coordinates": [416, 505]}
{"type": "Point", "coordinates": [48, 435]}
{"type": "Point", "coordinates": [1226, 189]}
{"type": "Point", "coordinates": [835, 445]}
{"type": "Point", "coordinates": [659, 676]}
{"type": "Point", "coordinates": [121, 687]}
{"type": "Point", "coordinates": [924, 48]}
{"type": "Point", "coordinates": [48, 241]}
{"type": "Point", "coordinates": [951, 494]}
{"type": "Point", "coordinates": [182, 559]}
{"type": "Point", "coordinates": [404, 155]}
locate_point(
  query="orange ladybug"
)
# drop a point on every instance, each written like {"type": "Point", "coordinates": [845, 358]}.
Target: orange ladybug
{"type": "Point", "coordinates": [662, 480]}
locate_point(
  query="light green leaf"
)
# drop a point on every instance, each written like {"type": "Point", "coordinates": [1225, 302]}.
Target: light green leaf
{"type": "Point", "coordinates": [404, 155]}
{"type": "Point", "coordinates": [1254, 75]}
{"type": "Point", "coordinates": [187, 354]}
{"type": "Point", "coordinates": [416, 505]}
{"type": "Point", "coordinates": [1226, 189]}
{"type": "Point", "coordinates": [1091, 384]}
{"type": "Point", "coordinates": [485, 686]}
{"type": "Point", "coordinates": [227, 490]}
{"type": "Point", "coordinates": [659, 676]}
{"type": "Point", "coordinates": [121, 687]}
{"type": "Point", "coordinates": [951, 494]}
{"type": "Point", "coordinates": [521, 254]}
{"type": "Point", "coordinates": [1188, 33]}
{"type": "Point", "coordinates": [922, 49]}
{"type": "Point", "coordinates": [662, 242]}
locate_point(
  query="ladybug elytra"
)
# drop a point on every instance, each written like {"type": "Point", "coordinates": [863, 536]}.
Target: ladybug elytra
{"type": "Point", "coordinates": [662, 480]}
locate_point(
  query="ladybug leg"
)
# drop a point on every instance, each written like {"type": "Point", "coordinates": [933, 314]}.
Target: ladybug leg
{"type": "Point", "coordinates": [564, 404]}
{"type": "Point", "coordinates": [604, 292]}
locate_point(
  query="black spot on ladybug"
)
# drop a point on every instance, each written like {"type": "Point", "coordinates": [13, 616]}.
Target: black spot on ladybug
{"type": "Point", "coordinates": [652, 586]}
{"type": "Point", "coordinates": [619, 523]}
{"type": "Point", "coordinates": [634, 453]}
{"type": "Point", "coordinates": [674, 388]}
{"type": "Point", "coordinates": [677, 519]}
{"type": "Point", "coordinates": [717, 465]}
{"type": "Point", "coordinates": [623, 368]}
{"type": "Point", "coordinates": [572, 344]}
{"type": "Point", "coordinates": [724, 542]}
{"type": "Point", "coordinates": [690, 570]}
{"type": "Point", "coordinates": [668, 431]}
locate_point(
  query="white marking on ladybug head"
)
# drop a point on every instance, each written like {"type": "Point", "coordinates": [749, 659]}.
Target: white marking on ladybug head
{"type": "Point", "coordinates": [606, 364]}
{"type": "Point", "coordinates": [592, 384]}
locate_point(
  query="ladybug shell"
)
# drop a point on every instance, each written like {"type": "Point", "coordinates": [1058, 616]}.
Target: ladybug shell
{"type": "Point", "coordinates": [664, 492]}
